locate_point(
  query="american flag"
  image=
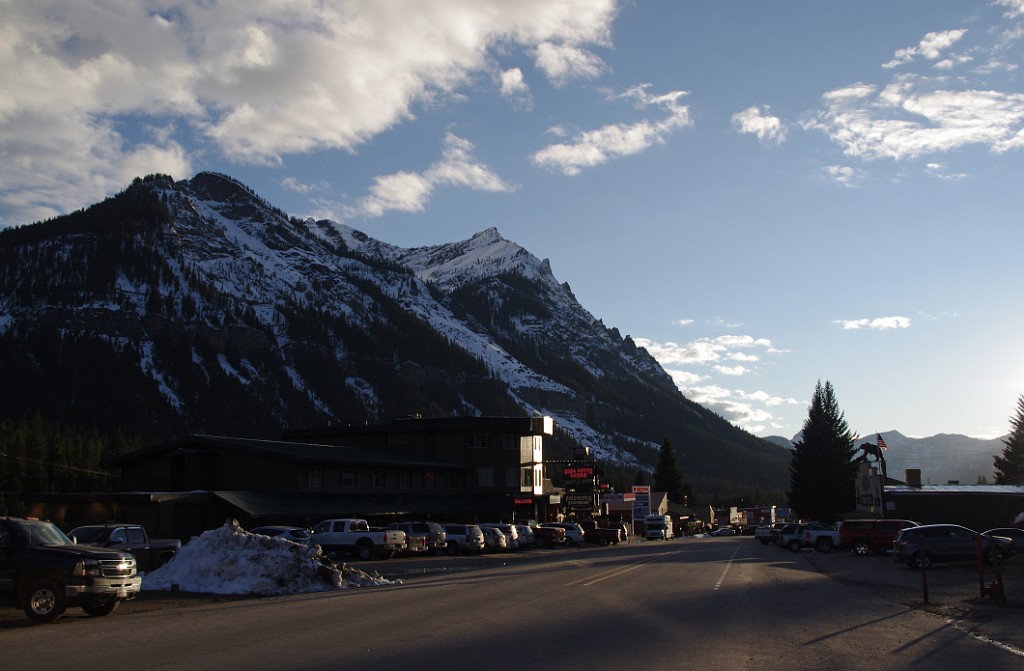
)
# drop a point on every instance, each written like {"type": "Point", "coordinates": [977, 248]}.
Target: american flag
{"type": "Point", "coordinates": [881, 442]}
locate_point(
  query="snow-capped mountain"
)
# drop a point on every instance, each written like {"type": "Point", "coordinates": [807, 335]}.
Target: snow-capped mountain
{"type": "Point", "coordinates": [195, 306]}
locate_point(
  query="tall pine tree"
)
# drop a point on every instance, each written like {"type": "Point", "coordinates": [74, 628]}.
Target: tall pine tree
{"type": "Point", "coordinates": [822, 470]}
{"type": "Point", "coordinates": [667, 477]}
{"type": "Point", "coordinates": [1010, 466]}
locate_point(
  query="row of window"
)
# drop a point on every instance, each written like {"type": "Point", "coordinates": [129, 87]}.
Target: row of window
{"type": "Point", "coordinates": [486, 476]}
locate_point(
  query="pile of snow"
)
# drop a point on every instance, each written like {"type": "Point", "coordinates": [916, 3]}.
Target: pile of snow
{"type": "Point", "coordinates": [230, 560]}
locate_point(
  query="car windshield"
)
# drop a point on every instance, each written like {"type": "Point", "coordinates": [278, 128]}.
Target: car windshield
{"type": "Point", "coordinates": [42, 533]}
{"type": "Point", "coordinates": [89, 534]}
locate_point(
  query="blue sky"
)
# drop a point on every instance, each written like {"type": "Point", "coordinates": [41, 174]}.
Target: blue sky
{"type": "Point", "coordinates": [763, 194]}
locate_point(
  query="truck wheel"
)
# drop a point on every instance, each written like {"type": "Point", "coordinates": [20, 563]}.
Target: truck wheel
{"type": "Point", "coordinates": [364, 551]}
{"type": "Point", "coordinates": [823, 545]}
{"type": "Point", "coordinates": [861, 548]}
{"type": "Point", "coordinates": [994, 556]}
{"type": "Point", "coordinates": [44, 601]}
{"type": "Point", "coordinates": [603, 541]}
{"type": "Point", "coordinates": [101, 609]}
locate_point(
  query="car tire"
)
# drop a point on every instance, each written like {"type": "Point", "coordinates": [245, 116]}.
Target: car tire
{"type": "Point", "coordinates": [861, 548]}
{"type": "Point", "coordinates": [920, 560]}
{"type": "Point", "coordinates": [364, 551]}
{"type": "Point", "coordinates": [764, 541]}
{"type": "Point", "coordinates": [452, 548]}
{"type": "Point", "coordinates": [603, 541]}
{"type": "Point", "coordinates": [101, 609]}
{"type": "Point", "coordinates": [794, 545]}
{"type": "Point", "coordinates": [44, 601]}
{"type": "Point", "coordinates": [994, 556]}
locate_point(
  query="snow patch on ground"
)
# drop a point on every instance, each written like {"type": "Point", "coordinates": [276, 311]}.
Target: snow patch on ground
{"type": "Point", "coordinates": [230, 560]}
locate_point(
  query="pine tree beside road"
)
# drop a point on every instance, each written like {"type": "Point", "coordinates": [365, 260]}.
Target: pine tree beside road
{"type": "Point", "coordinates": [1010, 466]}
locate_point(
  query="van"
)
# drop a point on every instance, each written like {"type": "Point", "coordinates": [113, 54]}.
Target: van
{"type": "Point", "coordinates": [658, 527]}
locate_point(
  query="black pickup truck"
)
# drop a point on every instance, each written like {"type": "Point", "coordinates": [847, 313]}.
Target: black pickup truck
{"type": "Point", "coordinates": [43, 572]}
{"type": "Point", "coordinates": [150, 553]}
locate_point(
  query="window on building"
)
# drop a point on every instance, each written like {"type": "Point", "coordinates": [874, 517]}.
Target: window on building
{"type": "Point", "coordinates": [315, 476]}
{"type": "Point", "coordinates": [348, 478]}
{"type": "Point", "coordinates": [430, 480]}
{"type": "Point", "coordinates": [453, 481]}
{"type": "Point", "coordinates": [509, 441]}
{"type": "Point", "coordinates": [485, 476]}
{"type": "Point", "coordinates": [405, 479]}
{"type": "Point", "coordinates": [512, 477]}
{"type": "Point", "coordinates": [377, 479]}
{"type": "Point", "coordinates": [482, 440]}
{"type": "Point", "coordinates": [526, 478]}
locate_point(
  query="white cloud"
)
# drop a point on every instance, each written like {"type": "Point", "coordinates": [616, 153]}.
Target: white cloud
{"type": "Point", "coordinates": [844, 175]}
{"type": "Point", "coordinates": [256, 81]}
{"type": "Point", "coordinates": [930, 47]}
{"type": "Point", "coordinates": [683, 322]}
{"type": "Point", "coordinates": [515, 89]}
{"type": "Point", "coordinates": [562, 62]}
{"type": "Point", "coordinates": [917, 116]}
{"type": "Point", "coordinates": [594, 147]}
{"type": "Point", "coordinates": [877, 324]}
{"type": "Point", "coordinates": [409, 191]}
{"type": "Point", "coordinates": [755, 121]}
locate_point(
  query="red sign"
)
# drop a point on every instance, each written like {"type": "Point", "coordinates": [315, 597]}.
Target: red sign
{"type": "Point", "coordinates": [528, 501]}
{"type": "Point", "coordinates": [578, 472]}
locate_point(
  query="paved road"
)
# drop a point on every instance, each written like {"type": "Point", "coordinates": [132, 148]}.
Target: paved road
{"type": "Point", "coordinates": [726, 603]}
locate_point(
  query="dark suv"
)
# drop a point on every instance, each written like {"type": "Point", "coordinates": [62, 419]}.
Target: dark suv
{"type": "Point", "coordinates": [920, 547]}
{"type": "Point", "coordinates": [866, 536]}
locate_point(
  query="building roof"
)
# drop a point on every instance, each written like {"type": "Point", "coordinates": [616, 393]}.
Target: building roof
{"type": "Point", "coordinates": [1012, 490]}
{"type": "Point", "coordinates": [299, 452]}
{"type": "Point", "coordinates": [525, 426]}
{"type": "Point", "coordinates": [317, 505]}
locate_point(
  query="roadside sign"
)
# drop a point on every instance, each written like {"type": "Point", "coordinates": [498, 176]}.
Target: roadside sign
{"type": "Point", "coordinates": [642, 502]}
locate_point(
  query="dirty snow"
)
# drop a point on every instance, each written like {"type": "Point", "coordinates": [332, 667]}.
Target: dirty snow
{"type": "Point", "coordinates": [230, 560]}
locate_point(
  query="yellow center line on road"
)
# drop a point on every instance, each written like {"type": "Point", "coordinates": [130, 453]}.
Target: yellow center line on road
{"type": "Point", "coordinates": [587, 582]}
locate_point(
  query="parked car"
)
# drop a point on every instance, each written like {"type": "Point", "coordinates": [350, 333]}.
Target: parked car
{"type": "Point", "coordinates": [43, 572]}
{"type": "Point", "coordinates": [920, 547]}
{"type": "Point", "coordinates": [432, 533]}
{"type": "Point", "coordinates": [293, 534]}
{"type": "Point", "coordinates": [494, 539]}
{"type": "Point", "coordinates": [548, 537]}
{"type": "Point", "coordinates": [866, 536]}
{"type": "Point", "coordinates": [527, 539]}
{"type": "Point", "coordinates": [723, 531]}
{"type": "Point", "coordinates": [603, 536]}
{"type": "Point", "coordinates": [791, 537]}
{"type": "Point", "coordinates": [150, 553]}
{"type": "Point", "coordinates": [464, 538]}
{"type": "Point", "coordinates": [511, 536]}
{"type": "Point", "coordinates": [1015, 535]}
{"type": "Point", "coordinates": [821, 537]}
{"type": "Point", "coordinates": [574, 535]}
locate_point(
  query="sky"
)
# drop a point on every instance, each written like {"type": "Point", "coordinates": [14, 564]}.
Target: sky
{"type": "Point", "coordinates": [764, 195]}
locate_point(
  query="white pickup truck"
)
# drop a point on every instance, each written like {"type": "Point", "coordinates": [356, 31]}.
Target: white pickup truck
{"type": "Point", "coordinates": [821, 537]}
{"type": "Point", "coordinates": [354, 536]}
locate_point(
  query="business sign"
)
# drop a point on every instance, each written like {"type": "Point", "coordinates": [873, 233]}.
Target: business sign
{"type": "Point", "coordinates": [618, 497]}
{"type": "Point", "coordinates": [641, 502]}
{"type": "Point", "coordinates": [578, 472]}
{"type": "Point", "coordinates": [579, 501]}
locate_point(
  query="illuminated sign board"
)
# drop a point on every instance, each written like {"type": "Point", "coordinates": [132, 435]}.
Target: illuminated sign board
{"type": "Point", "coordinates": [578, 472]}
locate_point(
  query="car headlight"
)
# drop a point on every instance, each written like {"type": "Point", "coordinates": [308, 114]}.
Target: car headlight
{"type": "Point", "coordinates": [88, 567]}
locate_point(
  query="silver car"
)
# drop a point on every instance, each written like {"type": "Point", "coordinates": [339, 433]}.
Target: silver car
{"type": "Point", "coordinates": [464, 539]}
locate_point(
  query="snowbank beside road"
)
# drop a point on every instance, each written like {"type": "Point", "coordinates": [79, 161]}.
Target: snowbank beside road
{"type": "Point", "coordinates": [230, 560]}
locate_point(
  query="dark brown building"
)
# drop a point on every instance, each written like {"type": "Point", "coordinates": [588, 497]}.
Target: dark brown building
{"type": "Point", "coordinates": [449, 469]}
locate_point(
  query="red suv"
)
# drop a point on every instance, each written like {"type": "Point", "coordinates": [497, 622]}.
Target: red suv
{"type": "Point", "coordinates": [867, 536]}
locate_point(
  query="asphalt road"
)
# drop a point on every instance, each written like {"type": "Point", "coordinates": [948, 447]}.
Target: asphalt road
{"type": "Point", "coordinates": [727, 603]}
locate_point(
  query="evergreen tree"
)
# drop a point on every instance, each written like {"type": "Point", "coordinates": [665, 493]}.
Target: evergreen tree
{"type": "Point", "coordinates": [1010, 466]}
{"type": "Point", "coordinates": [822, 470]}
{"type": "Point", "coordinates": [666, 475]}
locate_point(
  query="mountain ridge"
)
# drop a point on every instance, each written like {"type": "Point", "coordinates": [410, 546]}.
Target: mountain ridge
{"type": "Point", "coordinates": [195, 306]}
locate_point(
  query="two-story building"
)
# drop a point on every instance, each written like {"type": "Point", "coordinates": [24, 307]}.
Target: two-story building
{"type": "Point", "coordinates": [445, 469]}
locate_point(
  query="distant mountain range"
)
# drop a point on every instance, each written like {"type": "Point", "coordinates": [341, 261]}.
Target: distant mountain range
{"type": "Point", "coordinates": [195, 306]}
{"type": "Point", "coordinates": [942, 458]}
